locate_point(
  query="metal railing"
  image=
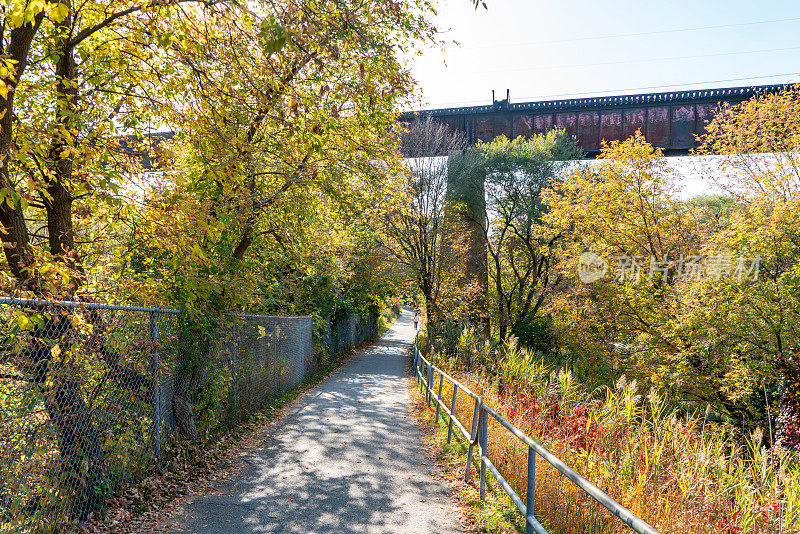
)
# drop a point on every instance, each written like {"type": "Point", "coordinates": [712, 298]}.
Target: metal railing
{"type": "Point", "coordinates": [427, 373]}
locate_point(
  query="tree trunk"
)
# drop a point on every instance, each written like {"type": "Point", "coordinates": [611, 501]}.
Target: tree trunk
{"type": "Point", "coordinates": [182, 411]}
{"type": "Point", "coordinates": [16, 241]}
{"type": "Point", "coordinates": [15, 237]}
{"type": "Point", "coordinates": [80, 446]}
{"type": "Point", "coordinates": [58, 198]}
{"type": "Point", "coordinates": [196, 354]}
{"type": "Point", "coordinates": [80, 442]}
{"type": "Point", "coordinates": [502, 324]}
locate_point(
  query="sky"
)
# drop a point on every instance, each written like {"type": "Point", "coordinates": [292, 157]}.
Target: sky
{"type": "Point", "coordinates": [546, 50]}
{"type": "Point", "coordinates": [543, 50]}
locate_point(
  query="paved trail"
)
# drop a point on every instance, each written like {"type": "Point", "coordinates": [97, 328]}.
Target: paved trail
{"type": "Point", "coordinates": [348, 458]}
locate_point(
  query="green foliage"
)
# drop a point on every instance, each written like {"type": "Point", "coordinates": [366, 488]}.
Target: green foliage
{"type": "Point", "coordinates": [283, 143]}
{"type": "Point", "coordinates": [521, 249]}
{"type": "Point", "coordinates": [387, 318]}
{"type": "Point", "coordinates": [720, 207]}
{"type": "Point", "coordinates": [536, 333]}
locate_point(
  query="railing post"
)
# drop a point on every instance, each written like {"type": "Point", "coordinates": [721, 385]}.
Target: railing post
{"type": "Point", "coordinates": [426, 369]}
{"type": "Point", "coordinates": [472, 433]}
{"type": "Point", "coordinates": [417, 362]}
{"type": "Point", "coordinates": [452, 413]}
{"type": "Point", "coordinates": [441, 381]}
{"type": "Point", "coordinates": [156, 389]}
{"type": "Point", "coordinates": [421, 383]}
{"type": "Point", "coordinates": [530, 490]}
{"type": "Point", "coordinates": [483, 430]}
{"type": "Point", "coordinates": [421, 377]}
{"type": "Point", "coordinates": [429, 385]}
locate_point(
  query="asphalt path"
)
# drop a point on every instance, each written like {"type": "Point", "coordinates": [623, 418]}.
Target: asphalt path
{"type": "Point", "coordinates": [347, 458]}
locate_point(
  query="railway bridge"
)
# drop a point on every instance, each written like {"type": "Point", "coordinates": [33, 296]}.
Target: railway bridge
{"type": "Point", "coordinates": [669, 120]}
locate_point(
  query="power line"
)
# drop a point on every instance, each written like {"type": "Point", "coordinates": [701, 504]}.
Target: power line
{"type": "Point", "coordinates": [661, 86]}
{"type": "Point", "coordinates": [618, 91]}
{"type": "Point", "coordinates": [641, 60]}
{"type": "Point", "coordinates": [638, 34]}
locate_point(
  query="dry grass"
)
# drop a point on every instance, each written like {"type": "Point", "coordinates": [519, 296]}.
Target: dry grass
{"type": "Point", "coordinates": [678, 473]}
{"type": "Point", "coordinates": [496, 514]}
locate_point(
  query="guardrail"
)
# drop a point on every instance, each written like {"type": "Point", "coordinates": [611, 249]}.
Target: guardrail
{"type": "Point", "coordinates": [426, 373]}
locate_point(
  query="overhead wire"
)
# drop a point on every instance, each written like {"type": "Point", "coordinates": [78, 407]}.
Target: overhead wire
{"type": "Point", "coordinates": [642, 60]}
{"type": "Point", "coordinates": [624, 90]}
{"type": "Point", "coordinates": [635, 34]}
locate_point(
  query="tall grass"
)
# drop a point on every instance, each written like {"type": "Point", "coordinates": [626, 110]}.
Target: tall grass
{"type": "Point", "coordinates": [679, 472]}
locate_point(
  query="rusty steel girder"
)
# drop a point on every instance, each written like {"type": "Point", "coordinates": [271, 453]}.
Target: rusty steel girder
{"type": "Point", "coordinates": [669, 120]}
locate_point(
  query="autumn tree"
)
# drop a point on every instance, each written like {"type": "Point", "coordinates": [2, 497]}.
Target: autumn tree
{"type": "Point", "coordinates": [413, 222]}
{"type": "Point", "coordinates": [519, 246]}
{"type": "Point", "coordinates": [643, 316]}
{"type": "Point", "coordinates": [273, 102]}
{"type": "Point", "coordinates": [287, 109]}
{"type": "Point", "coordinates": [755, 159]}
{"type": "Point", "coordinates": [681, 306]}
{"type": "Point", "coordinates": [464, 248]}
{"type": "Point", "coordinates": [72, 77]}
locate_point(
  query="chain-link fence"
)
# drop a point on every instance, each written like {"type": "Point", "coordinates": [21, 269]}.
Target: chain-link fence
{"type": "Point", "coordinates": [90, 393]}
{"type": "Point", "coordinates": [342, 335]}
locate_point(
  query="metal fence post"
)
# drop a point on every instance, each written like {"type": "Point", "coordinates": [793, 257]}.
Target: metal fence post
{"type": "Point", "coordinates": [472, 433]}
{"type": "Point", "coordinates": [421, 377]}
{"type": "Point", "coordinates": [429, 385]}
{"type": "Point", "coordinates": [483, 430]}
{"type": "Point", "coordinates": [235, 361]}
{"type": "Point", "coordinates": [530, 490]}
{"type": "Point", "coordinates": [452, 413]}
{"type": "Point", "coordinates": [156, 387]}
{"type": "Point", "coordinates": [441, 381]}
{"type": "Point", "coordinates": [420, 370]}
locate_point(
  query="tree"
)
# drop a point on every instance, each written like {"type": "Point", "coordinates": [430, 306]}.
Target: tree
{"type": "Point", "coordinates": [646, 317]}
{"type": "Point", "coordinates": [287, 100]}
{"type": "Point", "coordinates": [756, 147]}
{"type": "Point", "coordinates": [464, 248]}
{"type": "Point", "coordinates": [71, 76]}
{"type": "Point", "coordinates": [414, 225]}
{"type": "Point", "coordinates": [520, 248]}
{"type": "Point", "coordinates": [680, 309]}
{"type": "Point", "coordinates": [283, 112]}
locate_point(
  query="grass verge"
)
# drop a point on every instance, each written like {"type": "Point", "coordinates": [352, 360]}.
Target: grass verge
{"type": "Point", "coordinates": [497, 514]}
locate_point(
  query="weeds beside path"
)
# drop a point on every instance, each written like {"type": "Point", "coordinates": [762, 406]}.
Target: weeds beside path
{"type": "Point", "coordinates": [497, 513]}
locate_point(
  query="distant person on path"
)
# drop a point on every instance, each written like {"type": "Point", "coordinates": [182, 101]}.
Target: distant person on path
{"type": "Point", "coordinates": [416, 319]}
